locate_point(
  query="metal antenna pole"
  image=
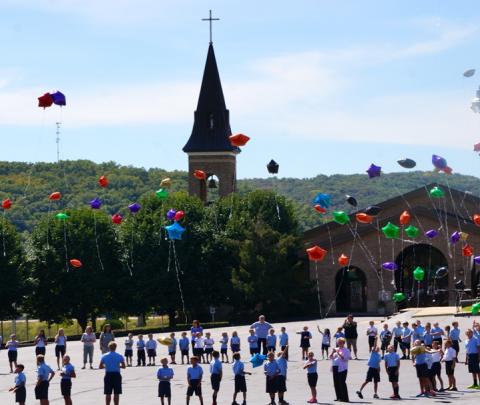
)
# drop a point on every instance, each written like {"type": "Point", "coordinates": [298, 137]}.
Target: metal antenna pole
{"type": "Point", "coordinates": [58, 141]}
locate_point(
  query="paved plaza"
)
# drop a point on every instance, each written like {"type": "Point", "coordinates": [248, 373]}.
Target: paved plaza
{"type": "Point", "coordinates": [140, 383]}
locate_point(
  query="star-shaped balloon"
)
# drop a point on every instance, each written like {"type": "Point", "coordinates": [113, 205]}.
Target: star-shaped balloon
{"type": "Point", "coordinates": [364, 218]}
{"type": "Point", "coordinates": [61, 216]}
{"type": "Point", "coordinates": [390, 266]}
{"type": "Point", "coordinates": [374, 171]}
{"type": "Point", "coordinates": [161, 194]}
{"type": "Point", "coordinates": [340, 217]}
{"type": "Point", "coordinates": [411, 231]}
{"type": "Point", "coordinates": [405, 218]}
{"type": "Point", "coordinates": [320, 209]}
{"type": "Point", "coordinates": [117, 219]}
{"type": "Point", "coordinates": [257, 360]}
{"type": "Point", "coordinates": [441, 272]}
{"type": "Point", "coordinates": [343, 260]}
{"type": "Point", "coordinates": [398, 297]}
{"type": "Point", "coordinates": [103, 182]}
{"type": "Point", "coordinates": [437, 192]}
{"type": "Point", "coordinates": [316, 253]}
{"type": "Point", "coordinates": [477, 259]}
{"type": "Point", "coordinates": [175, 231]}
{"type": "Point", "coordinates": [418, 274]}
{"type": "Point", "coordinates": [45, 100]}
{"type": "Point", "coordinates": [467, 250]}
{"type": "Point", "coordinates": [171, 214]}
{"type": "Point", "coordinates": [7, 204]}
{"type": "Point", "coordinates": [439, 162]}
{"type": "Point", "coordinates": [463, 235]}
{"type": "Point", "coordinates": [95, 204]}
{"type": "Point", "coordinates": [431, 234]}
{"type": "Point", "coordinates": [391, 231]}
{"type": "Point", "coordinates": [58, 98]}
{"type": "Point", "coordinates": [323, 200]}
{"type": "Point", "coordinates": [455, 237]}
{"type": "Point", "coordinates": [134, 208]}
{"type": "Point", "coordinates": [165, 183]}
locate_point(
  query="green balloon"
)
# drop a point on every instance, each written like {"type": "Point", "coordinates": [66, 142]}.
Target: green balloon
{"type": "Point", "coordinates": [476, 308]}
{"type": "Point", "coordinates": [391, 231]}
{"type": "Point", "coordinates": [161, 194]}
{"type": "Point", "coordinates": [340, 217]}
{"type": "Point", "coordinates": [411, 231]}
{"type": "Point", "coordinates": [61, 216]}
{"type": "Point", "coordinates": [418, 274]}
{"type": "Point", "coordinates": [398, 297]}
{"type": "Point", "coordinates": [437, 192]}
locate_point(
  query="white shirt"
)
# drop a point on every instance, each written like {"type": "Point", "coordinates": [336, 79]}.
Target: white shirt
{"type": "Point", "coordinates": [326, 339]}
{"type": "Point", "coordinates": [41, 342]}
{"type": "Point", "coordinates": [208, 343]}
{"type": "Point", "coordinates": [151, 344]}
{"type": "Point", "coordinates": [199, 343]}
{"type": "Point", "coordinates": [372, 331]}
{"type": "Point", "coordinates": [61, 340]}
{"type": "Point", "coordinates": [450, 354]}
{"type": "Point", "coordinates": [436, 357]}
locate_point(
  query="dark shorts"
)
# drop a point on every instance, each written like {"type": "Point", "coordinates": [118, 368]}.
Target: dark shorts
{"type": "Point", "coordinates": [59, 350]}
{"type": "Point", "coordinates": [41, 391]}
{"type": "Point", "coordinates": [40, 350]}
{"type": "Point", "coordinates": [215, 380]}
{"type": "Point", "coordinates": [455, 345]}
{"type": "Point", "coordinates": [185, 352]}
{"type": "Point", "coordinates": [271, 348]}
{"type": "Point", "coordinates": [436, 369]}
{"type": "Point", "coordinates": [21, 395]}
{"type": "Point", "coordinates": [325, 347]}
{"type": "Point", "coordinates": [66, 387]}
{"type": "Point", "coordinates": [406, 345]}
{"type": "Point", "coordinates": [198, 351]}
{"type": "Point", "coordinates": [422, 370]}
{"type": "Point", "coordinates": [164, 389]}
{"type": "Point", "coordinates": [224, 351]}
{"type": "Point", "coordinates": [391, 374]}
{"type": "Point", "coordinates": [448, 368]}
{"type": "Point", "coordinates": [235, 348]}
{"type": "Point", "coordinates": [371, 341]}
{"type": "Point", "coordinates": [271, 386]}
{"type": "Point", "coordinates": [384, 345]}
{"type": "Point", "coordinates": [254, 350]}
{"type": "Point", "coordinates": [439, 340]}
{"type": "Point", "coordinates": [281, 383]}
{"type": "Point", "coordinates": [194, 388]}
{"type": "Point", "coordinates": [473, 366]}
{"type": "Point", "coordinates": [208, 350]}
{"type": "Point", "coordinates": [312, 379]}
{"type": "Point", "coordinates": [12, 355]}
{"type": "Point", "coordinates": [128, 353]}
{"type": "Point", "coordinates": [305, 343]}
{"type": "Point", "coordinates": [153, 353]}
{"type": "Point", "coordinates": [112, 382]}
{"type": "Point", "coordinates": [372, 374]}
{"type": "Point", "coordinates": [240, 383]}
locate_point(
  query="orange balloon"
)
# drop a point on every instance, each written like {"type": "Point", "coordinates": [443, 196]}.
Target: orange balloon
{"type": "Point", "coordinates": [476, 219]}
{"type": "Point", "coordinates": [316, 253]}
{"type": "Point", "coordinates": [320, 209]}
{"type": "Point", "coordinates": [6, 204]}
{"type": "Point", "coordinates": [343, 260]}
{"type": "Point", "coordinates": [76, 263]}
{"type": "Point", "coordinates": [364, 218]}
{"type": "Point", "coordinates": [199, 174]}
{"type": "Point", "coordinates": [447, 170]}
{"type": "Point", "coordinates": [405, 218]}
{"type": "Point", "coordinates": [55, 196]}
{"type": "Point", "coordinates": [103, 181]}
{"type": "Point", "coordinates": [239, 139]}
{"type": "Point", "coordinates": [467, 250]}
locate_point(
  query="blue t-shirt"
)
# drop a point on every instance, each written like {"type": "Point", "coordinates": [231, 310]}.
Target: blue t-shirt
{"type": "Point", "coordinates": [436, 330]}
{"type": "Point", "coordinates": [455, 334]}
{"type": "Point", "coordinates": [184, 343]}
{"type": "Point", "coordinates": [476, 333]}
{"type": "Point", "coordinates": [420, 358]}
{"type": "Point", "coordinates": [392, 359]}
{"type": "Point", "coordinates": [374, 360]}
{"type": "Point", "coordinates": [224, 343]}
{"type": "Point", "coordinates": [237, 366]}
{"type": "Point", "coordinates": [420, 330]}
{"type": "Point", "coordinates": [68, 368]}
{"type": "Point", "coordinates": [44, 370]}
{"type": "Point", "coordinates": [112, 361]}
{"type": "Point", "coordinates": [272, 340]}
{"type": "Point", "coordinates": [195, 372]}
{"type": "Point", "coordinates": [283, 339]}
{"type": "Point", "coordinates": [12, 348]}
{"type": "Point", "coordinates": [271, 367]}
{"type": "Point", "coordinates": [311, 369]}
{"type": "Point", "coordinates": [397, 331]}
{"type": "Point", "coordinates": [283, 366]}
{"type": "Point", "coordinates": [472, 345]}
{"type": "Point", "coordinates": [131, 343]}
{"type": "Point", "coordinates": [195, 330]}
{"type": "Point", "coordinates": [19, 378]}
{"type": "Point", "coordinates": [215, 366]}
{"type": "Point", "coordinates": [406, 335]}
{"type": "Point", "coordinates": [61, 340]}
{"type": "Point", "coordinates": [140, 344]}
{"type": "Point", "coordinates": [428, 338]}
{"type": "Point", "coordinates": [252, 341]}
{"type": "Point", "coordinates": [339, 335]}
{"type": "Point", "coordinates": [235, 340]}
{"type": "Point", "coordinates": [173, 347]}
{"type": "Point", "coordinates": [165, 372]}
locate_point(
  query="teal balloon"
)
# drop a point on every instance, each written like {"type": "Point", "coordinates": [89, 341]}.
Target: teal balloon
{"type": "Point", "coordinates": [162, 193]}
{"type": "Point", "coordinates": [61, 216]}
{"type": "Point", "coordinates": [391, 231]}
{"type": "Point", "coordinates": [340, 217]}
{"type": "Point", "coordinates": [175, 231]}
{"type": "Point", "coordinates": [398, 297]}
{"type": "Point", "coordinates": [257, 360]}
{"type": "Point", "coordinates": [411, 231]}
{"type": "Point", "coordinates": [437, 192]}
{"type": "Point", "coordinates": [418, 274]}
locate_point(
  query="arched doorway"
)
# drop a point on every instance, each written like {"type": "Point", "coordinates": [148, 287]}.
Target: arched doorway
{"type": "Point", "coordinates": [351, 284]}
{"type": "Point", "coordinates": [426, 293]}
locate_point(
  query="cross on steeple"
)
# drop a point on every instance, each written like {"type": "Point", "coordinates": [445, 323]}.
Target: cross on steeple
{"type": "Point", "coordinates": [211, 19]}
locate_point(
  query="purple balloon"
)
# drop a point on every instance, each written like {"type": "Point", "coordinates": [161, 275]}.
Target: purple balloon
{"type": "Point", "coordinates": [95, 204]}
{"type": "Point", "coordinates": [431, 234]}
{"type": "Point", "coordinates": [171, 214]}
{"type": "Point", "coordinates": [58, 98]}
{"type": "Point", "coordinates": [439, 162]}
{"type": "Point", "coordinates": [134, 208]}
{"type": "Point", "coordinates": [477, 260]}
{"type": "Point", "coordinates": [455, 237]}
{"type": "Point", "coordinates": [390, 266]}
{"type": "Point", "coordinates": [374, 171]}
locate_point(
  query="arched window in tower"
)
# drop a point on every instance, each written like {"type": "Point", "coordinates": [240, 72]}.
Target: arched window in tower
{"type": "Point", "coordinates": [209, 119]}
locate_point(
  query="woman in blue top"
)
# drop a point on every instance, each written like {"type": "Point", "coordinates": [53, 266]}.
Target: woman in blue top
{"type": "Point", "coordinates": [194, 329]}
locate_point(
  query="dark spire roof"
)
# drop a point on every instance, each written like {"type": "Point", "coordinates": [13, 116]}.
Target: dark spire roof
{"type": "Point", "coordinates": [211, 127]}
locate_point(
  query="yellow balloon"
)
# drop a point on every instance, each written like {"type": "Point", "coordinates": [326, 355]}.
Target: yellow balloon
{"type": "Point", "coordinates": [436, 170]}
{"type": "Point", "coordinates": [417, 350]}
{"type": "Point", "coordinates": [165, 183]}
{"type": "Point", "coordinates": [463, 235]}
{"type": "Point", "coordinates": [166, 341]}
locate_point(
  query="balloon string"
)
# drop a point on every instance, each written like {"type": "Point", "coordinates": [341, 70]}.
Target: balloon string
{"type": "Point", "coordinates": [96, 238]}
{"type": "Point", "coordinates": [275, 193]}
{"type": "Point", "coordinates": [161, 223]}
{"type": "Point", "coordinates": [131, 248]}
{"type": "Point", "coordinates": [177, 266]}
{"type": "Point", "coordinates": [169, 254]}
{"type": "Point", "coordinates": [331, 244]}
{"type": "Point", "coordinates": [3, 233]}
{"type": "Point", "coordinates": [48, 222]}
{"type": "Point", "coordinates": [379, 243]}
{"type": "Point", "coordinates": [318, 289]}
{"type": "Point", "coordinates": [65, 241]}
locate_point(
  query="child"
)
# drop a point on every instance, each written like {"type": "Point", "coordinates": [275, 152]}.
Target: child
{"type": "Point", "coordinates": [235, 342]}
{"type": "Point", "coordinates": [194, 376]}
{"type": "Point", "coordinates": [19, 388]}
{"type": "Point", "coordinates": [224, 346]}
{"type": "Point", "coordinates": [372, 333]}
{"type": "Point", "coordinates": [392, 366]}
{"type": "Point", "coordinates": [447, 333]}
{"type": "Point", "coordinates": [271, 340]}
{"type": "Point", "coordinates": [397, 333]}
{"type": "Point", "coordinates": [151, 346]}
{"type": "Point", "coordinates": [61, 346]}
{"type": "Point", "coordinates": [406, 336]}
{"type": "Point", "coordinates": [305, 337]}
{"type": "Point", "coordinates": [172, 349]}
{"type": "Point", "coordinates": [253, 342]}
{"type": "Point", "coordinates": [428, 338]}
{"type": "Point", "coordinates": [373, 372]}
{"type": "Point", "coordinates": [420, 363]}
{"type": "Point", "coordinates": [183, 345]}
{"type": "Point", "coordinates": [208, 347]}
{"type": "Point", "coordinates": [40, 343]}
{"type": "Point", "coordinates": [67, 373]}
{"type": "Point", "coordinates": [165, 374]}
{"type": "Point", "coordinates": [449, 358]}
{"type": "Point", "coordinates": [282, 377]}
{"type": "Point", "coordinates": [429, 361]}
{"type": "Point", "coordinates": [44, 376]}
{"type": "Point", "coordinates": [385, 338]}
{"type": "Point", "coordinates": [283, 341]}
{"type": "Point", "coordinates": [325, 340]}
{"type": "Point", "coordinates": [436, 369]}
{"type": "Point", "coordinates": [216, 373]}
{"type": "Point", "coordinates": [129, 349]}
{"type": "Point", "coordinates": [338, 334]}
{"type": "Point", "coordinates": [140, 351]}
{"type": "Point", "coordinates": [12, 345]}
{"type": "Point", "coordinates": [240, 383]}
{"type": "Point", "coordinates": [455, 337]}
{"type": "Point", "coordinates": [312, 376]}
{"type": "Point", "coordinates": [472, 358]}
{"type": "Point", "coordinates": [271, 370]}
{"type": "Point", "coordinates": [199, 347]}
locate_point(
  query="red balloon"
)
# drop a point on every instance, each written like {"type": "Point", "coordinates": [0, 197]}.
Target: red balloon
{"type": "Point", "coordinates": [178, 215]}
{"type": "Point", "coordinates": [467, 250]}
{"type": "Point", "coordinates": [405, 218]}
{"type": "Point", "coordinates": [447, 170]}
{"type": "Point", "coordinates": [320, 209]}
{"type": "Point", "coordinates": [476, 219]}
{"type": "Point", "coordinates": [343, 260]}
{"type": "Point", "coordinates": [364, 218]}
{"type": "Point", "coordinates": [103, 181]}
{"type": "Point", "coordinates": [476, 147]}
{"type": "Point", "coordinates": [199, 174]}
{"type": "Point", "coordinates": [55, 196]}
{"type": "Point", "coordinates": [76, 263]}
{"type": "Point", "coordinates": [316, 253]}
{"type": "Point", "coordinates": [239, 139]}
{"type": "Point", "coordinates": [45, 100]}
{"type": "Point", "coordinates": [117, 219]}
{"type": "Point", "coordinates": [6, 204]}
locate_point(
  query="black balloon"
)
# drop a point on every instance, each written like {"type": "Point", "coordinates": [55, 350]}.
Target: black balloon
{"type": "Point", "coordinates": [407, 163]}
{"type": "Point", "coordinates": [351, 200]}
{"type": "Point", "coordinates": [372, 211]}
{"type": "Point", "coordinates": [273, 167]}
{"type": "Point", "coordinates": [460, 285]}
{"type": "Point", "coordinates": [441, 272]}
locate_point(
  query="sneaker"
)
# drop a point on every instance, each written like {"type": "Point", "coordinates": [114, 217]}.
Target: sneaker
{"type": "Point", "coordinates": [420, 395]}
{"type": "Point", "coordinates": [433, 393]}
{"type": "Point", "coordinates": [83, 368]}
{"type": "Point", "coordinates": [393, 396]}
{"type": "Point", "coordinates": [376, 396]}
{"type": "Point", "coordinates": [138, 365]}
{"type": "Point", "coordinates": [477, 387]}
{"type": "Point", "coordinates": [149, 364]}
{"type": "Point", "coordinates": [244, 403]}
{"type": "Point", "coordinates": [453, 389]}
{"type": "Point", "coordinates": [442, 390]}
{"type": "Point", "coordinates": [472, 386]}
{"type": "Point", "coordinates": [227, 362]}
{"type": "Point", "coordinates": [184, 363]}
{"type": "Point", "coordinates": [303, 358]}
{"type": "Point", "coordinates": [91, 367]}
{"type": "Point", "coordinates": [360, 395]}
{"type": "Point", "coordinates": [234, 403]}
{"type": "Point", "coordinates": [11, 371]}
{"type": "Point", "coordinates": [58, 368]}
{"type": "Point", "coordinates": [426, 394]}
{"type": "Point", "coordinates": [312, 401]}
{"type": "Point", "coordinates": [397, 396]}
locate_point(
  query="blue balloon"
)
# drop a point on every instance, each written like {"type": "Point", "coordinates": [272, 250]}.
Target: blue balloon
{"type": "Point", "coordinates": [257, 360]}
{"type": "Point", "coordinates": [323, 200]}
{"type": "Point", "coordinates": [175, 231]}
{"type": "Point", "coordinates": [95, 204]}
{"type": "Point", "coordinates": [58, 98]}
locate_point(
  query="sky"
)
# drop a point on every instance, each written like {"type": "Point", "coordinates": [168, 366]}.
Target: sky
{"type": "Point", "coordinates": [321, 87]}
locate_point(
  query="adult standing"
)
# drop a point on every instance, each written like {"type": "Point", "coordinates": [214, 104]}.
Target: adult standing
{"type": "Point", "coordinates": [112, 362]}
{"type": "Point", "coordinates": [193, 331]}
{"type": "Point", "coordinates": [261, 329]}
{"type": "Point", "coordinates": [106, 337]}
{"type": "Point", "coordinates": [88, 339]}
{"type": "Point", "coordinates": [351, 334]}
{"type": "Point", "coordinates": [40, 343]}
{"type": "Point", "coordinates": [340, 356]}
